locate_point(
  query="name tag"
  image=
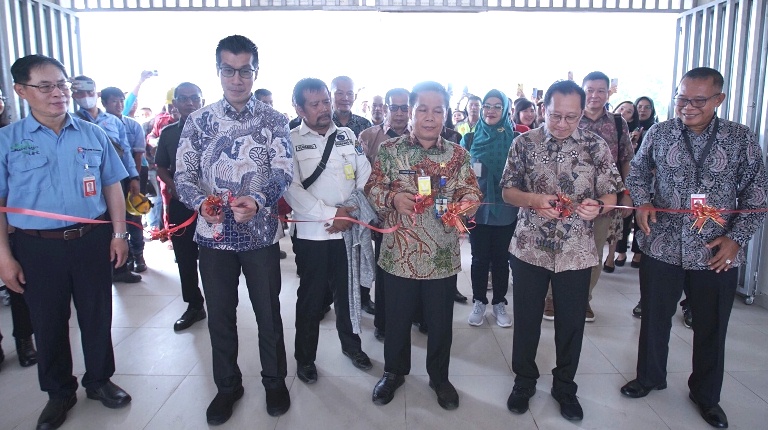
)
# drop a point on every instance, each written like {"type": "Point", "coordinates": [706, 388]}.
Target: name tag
{"type": "Point", "coordinates": [425, 185]}
{"type": "Point", "coordinates": [303, 147]}
{"type": "Point", "coordinates": [349, 172]}
{"type": "Point", "coordinates": [407, 172]}
{"type": "Point", "coordinates": [698, 199]}
{"type": "Point", "coordinates": [89, 185]}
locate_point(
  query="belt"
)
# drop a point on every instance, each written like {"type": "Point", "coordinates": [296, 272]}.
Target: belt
{"type": "Point", "coordinates": [76, 231]}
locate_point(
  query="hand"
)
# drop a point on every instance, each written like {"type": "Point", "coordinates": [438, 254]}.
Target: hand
{"type": "Point", "coordinates": [470, 213]}
{"type": "Point", "coordinates": [644, 213]}
{"type": "Point", "coordinates": [634, 137]}
{"type": "Point", "coordinates": [626, 200]}
{"type": "Point", "coordinates": [244, 208]}
{"type": "Point", "coordinates": [404, 203]}
{"type": "Point", "coordinates": [588, 209]}
{"type": "Point", "coordinates": [118, 251]}
{"type": "Point", "coordinates": [134, 188]}
{"type": "Point", "coordinates": [725, 254]}
{"type": "Point", "coordinates": [340, 225]}
{"type": "Point", "coordinates": [206, 211]}
{"type": "Point", "coordinates": [542, 204]}
{"type": "Point", "coordinates": [146, 74]}
{"type": "Point", "coordinates": [12, 275]}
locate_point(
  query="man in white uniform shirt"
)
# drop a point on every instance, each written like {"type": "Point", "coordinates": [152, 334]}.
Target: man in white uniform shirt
{"type": "Point", "coordinates": [316, 195]}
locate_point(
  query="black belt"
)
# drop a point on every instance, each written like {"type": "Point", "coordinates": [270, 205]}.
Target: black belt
{"type": "Point", "coordinates": [75, 231]}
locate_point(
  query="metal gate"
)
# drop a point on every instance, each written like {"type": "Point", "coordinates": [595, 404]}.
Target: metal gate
{"type": "Point", "coordinates": [732, 36]}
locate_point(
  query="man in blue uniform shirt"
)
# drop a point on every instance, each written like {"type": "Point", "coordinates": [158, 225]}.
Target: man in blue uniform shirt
{"type": "Point", "coordinates": [52, 162]}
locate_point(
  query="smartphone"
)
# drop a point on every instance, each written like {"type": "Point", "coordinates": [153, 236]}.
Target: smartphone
{"type": "Point", "coordinates": [520, 89]}
{"type": "Point", "coordinates": [570, 75]}
{"type": "Point", "coordinates": [78, 85]}
{"type": "Point", "coordinates": [540, 94]}
{"type": "Point", "coordinates": [534, 93]}
{"type": "Point", "coordinates": [614, 82]}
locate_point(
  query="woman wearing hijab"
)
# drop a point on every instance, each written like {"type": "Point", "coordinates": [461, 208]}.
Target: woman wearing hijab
{"type": "Point", "coordinates": [495, 220]}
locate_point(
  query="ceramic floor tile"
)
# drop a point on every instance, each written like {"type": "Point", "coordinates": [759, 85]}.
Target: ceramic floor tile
{"type": "Point", "coordinates": [756, 381]}
{"type": "Point", "coordinates": [619, 346]}
{"type": "Point", "coordinates": [746, 348]}
{"type": "Point", "coordinates": [158, 351]}
{"type": "Point", "coordinates": [135, 311]}
{"type": "Point", "coordinates": [20, 397]}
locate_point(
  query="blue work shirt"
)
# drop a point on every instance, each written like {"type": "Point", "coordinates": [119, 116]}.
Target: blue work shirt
{"type": "Point", "coordinates": [115, 129]}
{"type": "Point", "coordinates": [43, 171]}
{"type": "Point", "coordinates": [134, 132]}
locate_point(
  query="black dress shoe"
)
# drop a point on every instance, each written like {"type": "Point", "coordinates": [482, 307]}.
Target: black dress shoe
{"type": "Point", "coordinates": [570, 408]}
{"type": "Point", "coordinates": [422, 326]}
{"type": "Point", "coordinates": [139, 265]}
{"type": "Point", "coordinates": [634, 264]}
{"type": "Point", "coordinates": [110, 395]}
{"type": "Point", "coordinates": [127, 277]}
{"type": "Point", "coordinates": [608, 269]}
{"type": "Point", "coordinates": [283, 255]}
{"type": "Point", "coordinates": [637, 312]}
{"type": "Point", "coordinates": [378, 334]}
{"type": "Point", "coordinates": [307, 373]}
{"type": "Point", "coordinates": [518, 400]}
{"type": "Point", "coordinates": [459, 298]}
{"type": "Point", "coordinates": [447, 396]}
{"type": "Point", "coordinates": [55, 412]}
{"type": "Point", "coordinates": [359, 359]}
{"type": "Point", "coordinates": [635, 389]}
{"type": "Point", "coordinates": [220, 409]}
{"type": "Point", "coordinates": [369, 307]}
{"type": "Point", "coordinates": [189, 317]}
{"type": "Point", "coordinates": [25, 350]}
{"type": "Point", "coordinates": [384, 391]}
{"type": "Point", "coordinates": [713, 415]}
{"type": "Point", "coordinates": [278, 400]}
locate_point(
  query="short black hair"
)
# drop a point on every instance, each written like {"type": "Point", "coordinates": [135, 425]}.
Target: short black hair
{"type": "Point", "coordinates": [83, 78]}
{"type": "Point", "coordinates": [394, 92]}
{"type": "Point", "coordinates": [474, 97]}
{"type": "Point", "coordinates": [423, 87]}
{"type": "Point", "coordinates": [186, 84]}
{"type": "Point", "coordinates": [262, 92]}
{"type": "Point", "coordinates": [237, 44]}
{"type": "Point", "coordinates": [706, 73]}
{"type": "Point", "coordinates": [108, 92]}
{"type": "Point", "coordinates": [597, 76]}
{"type": "Point", "coordinates": [565, 88]}
{"type": "Point", "coordinates": [307, 84]}
{"type": "Point", "coordinates": [336, 80]}
{"type": "Point", "coordinates": [22, 67]}
{"type": "Point", "coordinates": [521, 105]}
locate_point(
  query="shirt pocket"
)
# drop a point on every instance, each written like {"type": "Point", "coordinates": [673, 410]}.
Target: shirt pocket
{"type": "Point", "coordinates": [31, 173]}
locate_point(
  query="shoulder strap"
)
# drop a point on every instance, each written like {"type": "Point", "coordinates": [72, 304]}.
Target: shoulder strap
{"type": "Point", "coordinates": [321, 166]}
{"type": "Point", "coordinates": [619, 128]}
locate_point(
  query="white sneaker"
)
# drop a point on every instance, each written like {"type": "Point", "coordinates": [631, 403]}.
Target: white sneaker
{"type": "Point", "coordinates": [478, 314]}
{"type": "Point", "coordinates": [500, 312]}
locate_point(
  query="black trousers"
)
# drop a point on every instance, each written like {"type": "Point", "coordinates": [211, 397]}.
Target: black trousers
{"type": "Point", "coordinates": [220, 272]}
{"type": "Point", "coordinates": [324, 265]}
{"type": "Point", "coordinates": [59, 272]}
{"type": "Point", "coordinates": [710, 297]}
{"type": "Point", "coordinates": [379, 317]}
{"type": "Point", "coordinates": [435, 298]}
{"type": "Point", "coordinates": [570, 295]}
{"type": "Point", "coordinates": [627, 224]}
{"type": "Point", "coordinates": [490, 250]}
{"type": "Point", "coordinates": [22, 322]}
{"type": "Point", "coordinates": [185, 249]}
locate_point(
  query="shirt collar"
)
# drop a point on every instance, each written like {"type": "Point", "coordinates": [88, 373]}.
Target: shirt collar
{"type": "Point", "coordinates": [231, 112]}
{"type": "Point", "coordinates": [304, 130]}
{"type": "Point", "coordinates": [706, 131]}
{"type": "Point", "coordinates": [576, 135]}
{"type": "Point", "coordinates": [584, 117]}
{"type": "Point", "coordinates": [386, 127]}
{"type": "Point", "coordinates": [32, 124]}
{"type": "Point", "coordinates": [414, 141]}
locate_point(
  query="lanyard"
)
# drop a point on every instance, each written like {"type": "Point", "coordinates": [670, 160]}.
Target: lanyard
{"type": "Point", "coordinates": [705, 152]}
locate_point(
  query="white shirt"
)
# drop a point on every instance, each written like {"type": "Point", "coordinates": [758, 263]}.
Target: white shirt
{"type": "Point", "coordinates": [332, 187]}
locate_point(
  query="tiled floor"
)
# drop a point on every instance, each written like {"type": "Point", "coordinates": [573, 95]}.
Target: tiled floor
{"type": "Point", "coordinates": [169, 374]}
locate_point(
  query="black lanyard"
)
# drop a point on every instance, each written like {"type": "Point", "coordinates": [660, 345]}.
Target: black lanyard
{"type": "Point", "coordinates": [705, 152]}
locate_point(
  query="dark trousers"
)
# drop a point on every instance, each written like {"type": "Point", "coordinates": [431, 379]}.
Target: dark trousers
{"type": "Point", "coordinates": [490, 250]}
{"type": "Point", "coordinates": [711, 298]}
{"type": "Point", "coordinates": [435, 298]}
{"type": "Point", "coordinates": [220, 272]}
{"type": "Point", "coordinates": [22, 321]}
{"type": "Point", "coordinates": [622, 243]}
{"type": "Point", "coordinates": [570, 294]}
{"type": "Point", "coordinates": [185, 249]}
{"type": "Point", "coordinates": [379, 317]}
{"type": "Point", "coordinates": [324, 265]}
{"type": "Point", "coordinates": [59, 272]}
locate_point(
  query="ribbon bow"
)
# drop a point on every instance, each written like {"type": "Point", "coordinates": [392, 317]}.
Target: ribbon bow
{"type": "Point", "coordinates": [453, 217]}
{"type": "Point", "coordinates": [704, 213]}
{"type": "Point", "coordinates": [564, 205]}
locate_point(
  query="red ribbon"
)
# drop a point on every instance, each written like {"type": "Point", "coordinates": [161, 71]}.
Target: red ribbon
{"type": "Point", "coordinates": [165, 234]}
{"type": "Point", "coordinates": [454, 216]}
{"type": "Point", "coordinates": [564, 205]}
{"type": "Point", "coordinates": [704, 213]}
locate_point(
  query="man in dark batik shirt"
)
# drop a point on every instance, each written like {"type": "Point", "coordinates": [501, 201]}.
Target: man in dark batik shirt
{"type": "Point", "coordinates": [343, 93]}
{"type": "Point", "coordinates": [696, 157]}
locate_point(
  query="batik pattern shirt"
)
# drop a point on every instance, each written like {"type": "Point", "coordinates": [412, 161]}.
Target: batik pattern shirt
{"type": "Point", "coordinates": [356, 123]}
{"type": "Point", "coordinates": [423, 247]}
{"type": "Point", "coordinates": [732, 177]}
{"type": "Point", "coordinates": [580, 167]}
{"type": "Point", "coordinates": [226, 152]}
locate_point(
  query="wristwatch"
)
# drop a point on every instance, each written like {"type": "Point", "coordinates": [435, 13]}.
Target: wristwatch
{"type": "Point", "coordinates": [600, 209]}
{"type": "Point", "coordinates": [119, 235]}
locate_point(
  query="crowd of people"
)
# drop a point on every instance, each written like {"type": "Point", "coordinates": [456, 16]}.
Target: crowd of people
{"type": "Point", "coordinates": [541, 185]}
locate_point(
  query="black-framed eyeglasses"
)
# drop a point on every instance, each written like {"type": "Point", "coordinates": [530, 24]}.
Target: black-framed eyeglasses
{"type": "Point", "coordinates": [228, 72]}
{"type": "Point", "coordinates": [193, 99]}
{"type": "Point", "coordinates": [697, 102]}
{"type": "Point", "coordinates": [394, 108]}
{"type": "Point", "coordinates": [48, 88]}
{"type": "Point", "coordinates": [493, 107]}
{"type": "Point", "coordinates": [570, 119]}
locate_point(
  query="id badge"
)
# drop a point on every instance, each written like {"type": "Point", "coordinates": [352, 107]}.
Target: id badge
{"type": "Point", "coordinates": [698, 199]}
{"type": "Point", "coordinates": [441, 206]}
{"type": "Point", "coordinates": [89, 185]}
{"type": "Point", "coordinates": [477, 167]}
{"type": "Point", "coordinates": [349, 172]}
{"type": "Point", "coordinates": [425, 185]}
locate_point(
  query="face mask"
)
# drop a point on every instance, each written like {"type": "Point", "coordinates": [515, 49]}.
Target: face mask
{"type": "Point", "coordinates": [87, 102]}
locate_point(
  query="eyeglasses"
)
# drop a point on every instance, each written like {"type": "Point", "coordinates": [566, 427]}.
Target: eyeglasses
{"type": "Point", "coordinates": [570, 119]}
{"type": "Point", "coordinates": [228, 72]}
{"type": "Point", "coordinates": [185, 99]}
{"type": "Point", "coordinates": [493, 107]}
{"type": "Point", "coordinates": [697, 103]}
{"type": "Point", "coordinates": [394, 108]}
{"type": "Point", "coordinates": [47, 88]}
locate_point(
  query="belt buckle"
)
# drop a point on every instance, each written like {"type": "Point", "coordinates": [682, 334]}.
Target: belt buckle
{"type": "Point", "coordinates": [75, 233]}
